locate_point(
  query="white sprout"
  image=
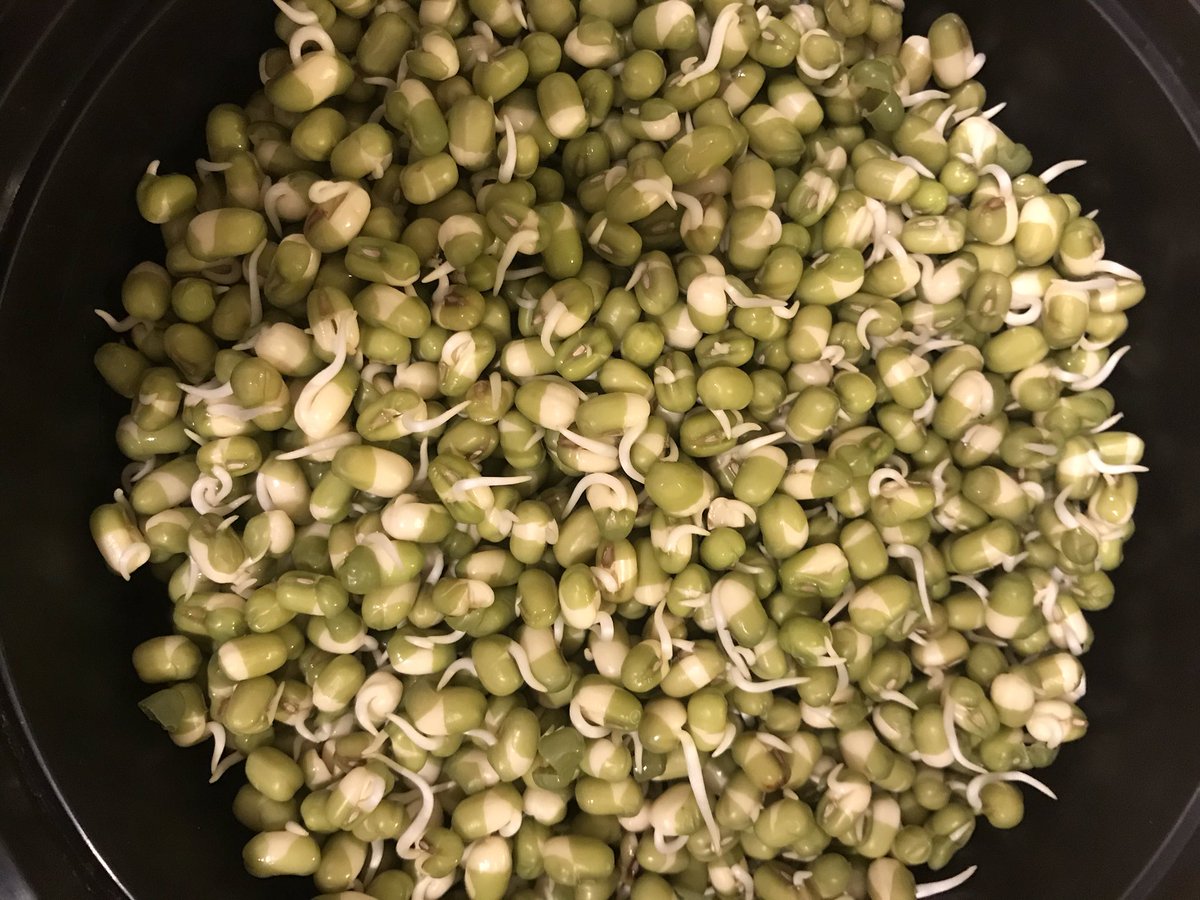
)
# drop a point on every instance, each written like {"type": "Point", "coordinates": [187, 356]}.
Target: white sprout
{"type": "Point", "coordinates": [522, 241]}
{"type": "Point", "coordinates": [673, 536]}
{"type": "Point", "coordinates": [973, 583]}
{"type": "Point", "coordinates": [517, 652]}
{"type": "Point", "coordinates": [482, 735]}
{"type": "Point", "coordinates": [608, 451]}
{"type": "Point", "coordinates": [952, 738]}
{"type": "Point", "coordinates": [310, 391]}
{"type": "Point", "coordinates": [309, 34]}
{"type": "Point", "coordinates": [924, 412]}
{"type": "Point", "coordinates": [205, 167]}
{"type": "Point", "coordinates": [933, 888]}
{"type": "Point", "coordinates": [1104, 468]}
{"type": "Point", "coordinates": [1065, 516]}
{"type": "Point", "coordinates": [1078, 383]}
{"type": "Point", "coordinates": [438, 272]}
{"type": "Point", "coordinates": [118, 325]}
{"type": "Point", "coordinates": [585, 727]}
{"type": "Point", "coordinates": [135, 472]}
{"type": "Point", "coordinates": [509, 164]}
{"type": "Point", "coordinates": [419, 426]}
{"type": "Point", "coordinates": [696, 780]}
{"type": "Point", "coordinates": [864, 321]}
{"type": "Point", "coordinates": [417, 827]}
{"type": "Point", "coordinates": [663, 633]}
{"type": "Point", "coordinates": [1107, 423]}
{"type": "Point", "coordinates": [463, 485]}
{"type": "Point", "coordinates": [332, 443]}
{"type": "Point", "coordinates": [761, 687]}
{"type": "Point", "coordinates": [421, 740]}
{"type": "Point", "coordinates": [980, 781]}
{"type": "Point", "coordinates": [668, 846]}
{"type": "Point", "coordinates": [1108, 267]}
{"type": "Point", "coordinates": [432, 640]}
{"type": "Point", "coordinates": [1060, 169]}
{"type": "Point", "coordinates": [842, 603]}
{"type": "Point", "coordinates": [744, 879]}
{"type": "Point", "coordinates": [924, 97]}
{"type": "Point", "coordinates": [693, 211]}
{"type": "Point", "coordinates": [1028, 313]}
{"type": "Point", "coordinates": [299, 16]}
{"type": "Point", "coordinates": [883, 476]}
{"type": "Point", "coordinates": [898, 697]}
{"type": "Point", "coordinates": [693, 68]}
{"type": "Point", "coordinates": [462, 664]}
{"type": "Point", "coordinates": [252, 282]}
{"type": "Point", "coordinates": [1011, 214]}
{"type": "Point", "coordinates": [374, 861]}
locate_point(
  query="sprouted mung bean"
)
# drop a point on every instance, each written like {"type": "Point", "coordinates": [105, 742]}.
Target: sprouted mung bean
{"type": "Point", "coordinates": [620, 449]}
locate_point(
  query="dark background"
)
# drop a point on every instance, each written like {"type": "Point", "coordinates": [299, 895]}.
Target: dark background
{"type": "Point", "coordinates": [95, 802]}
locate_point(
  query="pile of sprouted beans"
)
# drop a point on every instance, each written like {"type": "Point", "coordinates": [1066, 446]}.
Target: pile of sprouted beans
{"type": "Point", "coordinates": [612, 449]}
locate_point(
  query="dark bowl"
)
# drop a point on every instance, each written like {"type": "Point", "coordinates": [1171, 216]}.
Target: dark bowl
{"type": "Point", "coordinates": [96, 802]}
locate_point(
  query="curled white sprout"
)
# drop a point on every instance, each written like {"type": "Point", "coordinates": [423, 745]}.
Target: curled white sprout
{"type": "Point", "coordinates": [883, 476]}
{"type": "Point", "coordinates": [299, 16]}
{"type": "Point", "coordinates": [309, 34]}
{"type": "Point", "coordinates": [668, 846]}
{"type": "Point", "coordinates": [1025, 310]}
{"type": "Point", "coordinates": [864, 322]}
{"type": "Point", "coordinates": [135, 472]}
{"type": "Point", "coordinates": [582, 724]}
